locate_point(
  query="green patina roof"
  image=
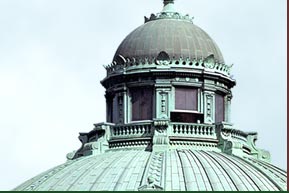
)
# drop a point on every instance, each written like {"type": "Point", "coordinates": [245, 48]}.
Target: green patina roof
{"type": "Point", "coordinates": [179, 39]}
{"type": "Point", "coordinates": [168, 170]}
{"type": "Point", "coordinates": [159, 154]}
{"type": "Point", "coordinates": [171, 32]}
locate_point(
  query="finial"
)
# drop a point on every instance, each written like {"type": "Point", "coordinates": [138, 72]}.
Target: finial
{"type": "Point", "coordinates": [169, 6]}
{"type": "Point", "coordinates": [168, 2]}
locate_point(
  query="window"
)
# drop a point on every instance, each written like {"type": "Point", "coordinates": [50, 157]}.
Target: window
{"type": "Point", "coordinates": [219, 108]}
{"type": "Point", "coordinates": [141, 99]}
{"type": "Point", "coordinates": [109, 101]}
{"type": "Point", "coordinates": [186, 99]}
{"type": "Point", "coordinates": [115, 109]}
{"type": "Point", "coordinates": [184, 117]}
{"type": "Point", "coordinates": [186, 106]}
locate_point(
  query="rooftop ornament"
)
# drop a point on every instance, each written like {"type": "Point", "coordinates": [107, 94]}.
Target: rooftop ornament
{"type": "Point", "coordinates": [168, 124]}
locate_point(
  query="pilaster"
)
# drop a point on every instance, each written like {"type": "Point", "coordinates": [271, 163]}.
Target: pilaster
{"type": "Point", "coordinates": [209, 107]}
{"type": "Point", "coordinates": [228, 99]}
{"type": "Point", "coordinates": [163, 92]}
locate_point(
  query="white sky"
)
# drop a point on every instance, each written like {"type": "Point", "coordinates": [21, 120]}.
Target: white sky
{"type": "Point", "coordinates": [51, 57]}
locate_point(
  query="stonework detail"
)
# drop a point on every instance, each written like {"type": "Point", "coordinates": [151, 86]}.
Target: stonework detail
{"type": "Point", "coordinates": [154, 174]}
{"type": "Point", "coordinates": [168, 90]}
{"type": "Point", "coordinates": [209, 107]}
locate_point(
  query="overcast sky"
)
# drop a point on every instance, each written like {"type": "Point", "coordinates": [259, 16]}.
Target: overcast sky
{"type": "Point", "coordinates": [51, 57]}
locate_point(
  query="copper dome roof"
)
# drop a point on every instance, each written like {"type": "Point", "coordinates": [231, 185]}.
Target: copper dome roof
{"type": "Point", "coordinates": [176, 170]}
{"type": "Point", "coordinates": [179, 38]}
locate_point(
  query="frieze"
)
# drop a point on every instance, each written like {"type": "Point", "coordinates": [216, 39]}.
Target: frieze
{"type": "Point", "coordinates": [136, 63]}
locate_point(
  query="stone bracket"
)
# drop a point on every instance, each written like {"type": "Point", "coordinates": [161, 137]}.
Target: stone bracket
{"type": "Point", "coordinates": [93, 142]}
{"type": "Point", "coordinates": [236, 142]}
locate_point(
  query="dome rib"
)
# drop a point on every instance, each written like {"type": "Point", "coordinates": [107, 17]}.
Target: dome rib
{"type": "Point", "coordinates": [251, 172]}
{"type": "Point", "coordinates": [268, 178]}
{"type": "Point", "coordinates": [205, 173]}
{"type": "Point", "coordinates": [221, 173]}
{"type": "Point", "coordinates": [181, 169]}
{"type": "Point", "coordinates": [233, 173]}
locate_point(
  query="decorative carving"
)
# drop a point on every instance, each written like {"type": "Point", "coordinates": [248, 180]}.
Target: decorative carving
{"type": "Point", "coordinates": [163, 58]}
{"type": "Point", "coordinates": [126, 64]}
{"type": "Point", "coordinates": [169, 15]}
{"type": "Point", "coordinates": [120, 60]}
{"type": "Point", "coordinates": [209, 62]}
{"type": "Point", "coordinates": [163, 103]}
{"type": "Point", "coordinates": [209, 107]}
{"type": "Point", "coordinates": [154, 173]}
{"type": "Point", "coordinates": [94, 142]}
{"type": "Point", "coordinates": [131, 143]}
{"type": "Point", "coordinates": [70, 155]}
{"type": "Point", "coordinates": [160, 132]}
{"type": "Point", "coordinates": [195, 144]}
{"type": "Point", "coordinates": [236, 142]}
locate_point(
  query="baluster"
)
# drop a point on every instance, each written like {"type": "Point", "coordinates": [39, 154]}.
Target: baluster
{"type": "Point", "coordinates": [179, 128]}
{"type": "Point", "coordinates": [134, 129]}
{"type": "Point", "coordinates": [207, 131]}
{"type": "Point", "coordinates": [199, 130]}
{"type": "Point", "coordinates": [174, 128]}
{"type": "Point", "coordinates": [125, 130]}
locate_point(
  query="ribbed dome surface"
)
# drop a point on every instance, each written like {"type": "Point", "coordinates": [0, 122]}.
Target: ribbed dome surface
{"type": "Point", "coordinates": [176, 37]}
{"type": "Point", "coordinates": [172, 169]}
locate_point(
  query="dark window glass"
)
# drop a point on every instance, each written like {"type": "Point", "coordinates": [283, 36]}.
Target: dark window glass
{"type": "Point", "coordinates": [141, 99]}
{"type": "Point", "coordinates": [115, 110]}
{"type": "Point", "coordinates": [186, 99]}
{"type": "Point", "coordinates": [187, 117]}
{"type": "Point", "coordinates": [219, 108]}
{"type": "Point", "coordinates": [109, 109]}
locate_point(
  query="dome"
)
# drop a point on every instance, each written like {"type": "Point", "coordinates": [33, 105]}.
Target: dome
{"type": "Point", "coordinates": [178, 38]}
{"type": "Point", "coordinates": [168, 98]}
{"type": "Point", "coordinates": [180, 169]}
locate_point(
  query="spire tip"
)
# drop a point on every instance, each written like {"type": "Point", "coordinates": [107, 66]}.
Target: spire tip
{"type": "Point", "coordinates": [168, 2]}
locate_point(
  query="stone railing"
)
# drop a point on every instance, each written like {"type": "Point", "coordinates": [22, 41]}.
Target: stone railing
{"type": "Point", "coordinates": [192, 130]}
{"type": "Point", "coordinates": [142, 64]}
{"type": "Point", "coordinates": [132, 130]}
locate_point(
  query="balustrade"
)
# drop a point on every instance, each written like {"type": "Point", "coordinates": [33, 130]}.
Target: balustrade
{"type": "Point", "coordinates": [192, 130]}
{"type": "Point", "coordinates": [132, 130]}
